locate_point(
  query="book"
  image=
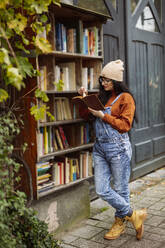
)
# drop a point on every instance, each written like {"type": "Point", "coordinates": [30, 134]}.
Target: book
{"type": "Point", "coordinates": [71, 74]}
{"type": "Point", "coordinates": [91, 101]}
{"type": "Point", "coordinates": [63, 137]}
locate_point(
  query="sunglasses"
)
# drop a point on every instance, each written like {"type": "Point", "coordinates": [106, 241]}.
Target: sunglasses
{"type": "Point", "coordinates": [103, 79]}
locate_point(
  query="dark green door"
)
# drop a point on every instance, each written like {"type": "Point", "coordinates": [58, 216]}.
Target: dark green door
{"type": "Point", "coordinates": [146, 77]}
{"type": "Point", "coordinates": [136, 35]}
{"type": "Point", "coordinates": [114, 32]}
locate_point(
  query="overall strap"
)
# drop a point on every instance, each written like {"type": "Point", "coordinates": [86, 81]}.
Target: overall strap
{"type": "Point", "coordinates": [116, 99]}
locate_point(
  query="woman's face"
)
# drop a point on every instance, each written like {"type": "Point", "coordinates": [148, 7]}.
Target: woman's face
{"type": "Point", "coordinates": [107, 84]}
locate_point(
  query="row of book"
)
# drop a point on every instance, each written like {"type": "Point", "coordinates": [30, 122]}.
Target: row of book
{"type": "Point", "coordinates": [92, 41]}
{"type": "Point", "coordinates": [65, 38]}
{"type": "Point", "coordinates": [62, 109]}
{"type": "Point", "coordinates": [78, 39]}
{"type": "Point", "coordinates": [51, 138]}
{"type": "Point", "coordinates": [63, 171]}
{"type": "Point", "coordinates": [66, 72]}
{"type": "Point", "coordinates": [43, 172]}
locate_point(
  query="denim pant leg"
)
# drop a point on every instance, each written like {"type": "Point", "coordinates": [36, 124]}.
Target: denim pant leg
{"type": "Point", "coordinates": [120, 169]}
{"type": "Point", "coordinates": [103, 176]}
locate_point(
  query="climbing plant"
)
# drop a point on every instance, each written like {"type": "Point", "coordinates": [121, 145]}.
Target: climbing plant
{"type": "Point", "coordinates": [16, 18]}
{"type": "Point", "coordinates": [19, 225]}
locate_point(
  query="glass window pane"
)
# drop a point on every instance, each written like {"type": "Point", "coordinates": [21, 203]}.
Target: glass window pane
{"type": "Point", "coordinates": [113, 2]}
{"type": "Point", "coordinates": [158, 6]}
{"type": "Point", "coordinates": [146, 21]}
{"type": "Point", "coordinates": [97, 6]}
{"type": "Point", "coordinates": [133, 5]}
{"type": "Point", "coordinates": [67, 1]}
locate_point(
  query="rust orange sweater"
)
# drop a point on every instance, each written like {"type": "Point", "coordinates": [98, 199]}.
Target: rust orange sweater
{"type": "Point", "coordinates": [122, 112]}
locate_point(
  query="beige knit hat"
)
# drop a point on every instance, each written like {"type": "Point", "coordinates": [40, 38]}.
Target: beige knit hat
{"type": "Point", "coordinates": [113, 70]}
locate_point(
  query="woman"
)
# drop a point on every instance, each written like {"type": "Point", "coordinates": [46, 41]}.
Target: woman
{"type": "Point", "coordinates": [112, 150]}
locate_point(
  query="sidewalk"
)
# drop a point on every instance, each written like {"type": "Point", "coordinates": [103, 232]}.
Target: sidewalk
{"type": "Point", "coordinates": [149, 192]}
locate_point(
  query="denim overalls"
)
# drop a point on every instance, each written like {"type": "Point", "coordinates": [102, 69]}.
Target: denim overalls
{"type": "Point", "coordinates": [111, 156]}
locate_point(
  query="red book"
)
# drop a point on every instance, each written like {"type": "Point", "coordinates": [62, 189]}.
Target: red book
{"type": "Point", "coordinates": [63, 137]}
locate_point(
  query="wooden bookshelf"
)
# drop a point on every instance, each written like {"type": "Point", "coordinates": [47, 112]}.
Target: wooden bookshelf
{"type": "Point", "coordinates": [66, 151]}
{"type": "Point", "coordinates": [78, 68]}
{"type": "Point", "coordinates": [61, 187]}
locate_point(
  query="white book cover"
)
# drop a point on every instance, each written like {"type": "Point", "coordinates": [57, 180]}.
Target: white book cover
{"type": "Point", "coordinates": [57, 174]}
{"type": "Point", "coordinates": [72, 74]}
{"type": "Point", "coordinates": [40, 144]}
{"type": "Point", "coordinates": [81, 165]}
{"type": "Point", "coordinates": [57, 75]}
{"type": "Point", "coordinates": [67, 170]}
{"type": "Point", "coordinates": [63, 38]}
{"type": "Point", "coordinates": [66, 78]}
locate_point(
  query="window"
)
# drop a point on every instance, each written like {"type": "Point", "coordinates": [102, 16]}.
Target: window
{"type": "Point", "coordinates": [133, 5]}
{"type": "Point", "coordinates": [147, 21]}
{"type": "Point", "coordinates": [97, 6]}
{"type": "Point", "coordinates": [158, 6]}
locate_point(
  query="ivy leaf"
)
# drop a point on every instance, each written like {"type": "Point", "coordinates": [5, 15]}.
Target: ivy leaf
{"type": "Point", "coordinates": [25, 41]}
{"type": "Point", "coordinates": [4, 57]}
{"type": "Point", "coordinates": [50, 116]}
{"type": "Point", "coordinates": [43, 18]}
{"type": "Point", "coordinates": [59, 85]}
{"type": "Point", "coordinates": [41, 6]}
{"type": "Point", "coordinates": [57, 2]}
{"type": "Point", "coordinates": [38, 112]}
{"type": "Point", "coordinates": [3, 95]}
{"type": "Point", "coordinates": [3, 4]}
{"type": "Point", "coordinates": [43, 45]}
{"type": "Point", "coordinates": [19, 23]}
{"type": "Point", "coordinates": [20, 46]}
{"type": "Point", "coordinates": [26, 67]}
{"type": "Point", "coordinates": [48, 28]}
{"type": "Point", "coordinates": [42, 95]}
{"type": "Point", "coordinates": [14, 77]}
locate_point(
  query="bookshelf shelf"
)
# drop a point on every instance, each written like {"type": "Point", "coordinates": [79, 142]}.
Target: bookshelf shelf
{"type": "Point", "coordinates": [65, 151]}
{"type": "Point", "coordinates": [57, 123]}
{"type": "Point", "coordinates": [73, 55]}
{"type": "Point", "coordinates": [68, 92]}
{"type": "Point", "coordinates": [62, 187]}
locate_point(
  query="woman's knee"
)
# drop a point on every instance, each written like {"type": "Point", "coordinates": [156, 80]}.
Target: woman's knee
{"type": "Point", "coordinates": [103, 192]}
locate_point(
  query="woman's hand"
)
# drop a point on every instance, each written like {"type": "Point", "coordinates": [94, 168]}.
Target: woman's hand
{"type": "Point", "coordinates": [82, 91]}
{"type": "Point", "coordinates": [97, 113]}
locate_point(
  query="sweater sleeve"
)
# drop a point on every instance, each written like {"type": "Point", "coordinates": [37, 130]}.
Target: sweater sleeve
{"type": "Point", "coordinates": [122, 121]}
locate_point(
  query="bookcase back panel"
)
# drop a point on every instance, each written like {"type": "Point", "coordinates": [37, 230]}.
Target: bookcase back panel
{"type": "Point", "coordinates": [51, 34]}
{"type": "Point", "coordinates": [46, 78]}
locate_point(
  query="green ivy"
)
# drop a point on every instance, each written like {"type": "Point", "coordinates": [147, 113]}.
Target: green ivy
{"type": "Point", "coordinates": [15, 16]}
{"type": "Point", "coordinates": [19, 225]}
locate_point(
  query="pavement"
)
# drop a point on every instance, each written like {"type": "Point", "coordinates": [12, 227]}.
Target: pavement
{"type": "Point", "coordinates": [148, 192]}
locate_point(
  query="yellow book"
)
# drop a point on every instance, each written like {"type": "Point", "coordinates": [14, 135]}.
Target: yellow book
{"type": "Point", "coordinates": [44, 176]}
{"type": "Point", "coordinates": [45, 140]}
{"type": "Point", "coordinates": [71, 170]}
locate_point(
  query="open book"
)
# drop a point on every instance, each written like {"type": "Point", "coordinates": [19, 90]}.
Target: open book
{"type": "Point", "coordinates": [91, 101]}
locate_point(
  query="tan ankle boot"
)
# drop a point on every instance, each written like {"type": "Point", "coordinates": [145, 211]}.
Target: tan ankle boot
{"type": "Point", "coordinates": [117, 229]}
{"type": "Point", "coordinates": [137, 219]}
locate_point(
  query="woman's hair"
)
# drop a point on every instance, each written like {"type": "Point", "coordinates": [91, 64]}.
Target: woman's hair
{"type": "Point", "coordinates": [119, 87]}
